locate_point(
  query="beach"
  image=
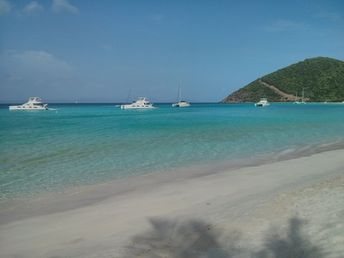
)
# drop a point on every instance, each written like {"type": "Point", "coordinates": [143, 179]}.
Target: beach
{"type": "Point", "coordinates": [171, 129]}
{"type": "Point", "coordinates": [236, 212]}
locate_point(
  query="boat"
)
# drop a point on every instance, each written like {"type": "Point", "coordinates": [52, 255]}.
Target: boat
{"type": "Point", "coordinates": [34, 103]}
{"type": "Point", "coordinates": [180, 103]}
{"type": "Point", "coordinates": [140, 103]}
{"type": "Point", "coordinates": [263, 102]}
{"type": "Point", "coordinates": [302, 99]}
{"type": "Point", "coordinates": [296, 100]}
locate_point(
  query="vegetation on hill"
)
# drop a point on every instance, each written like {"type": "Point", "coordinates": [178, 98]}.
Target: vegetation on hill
{"type": "Point", "coordinates": [321, 78]}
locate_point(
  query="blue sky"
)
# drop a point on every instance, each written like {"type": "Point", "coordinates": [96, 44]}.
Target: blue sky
{"type": "Point", "coordinates": [95, 51]}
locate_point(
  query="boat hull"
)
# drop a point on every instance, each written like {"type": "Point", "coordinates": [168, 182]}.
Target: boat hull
{"type": "Point", "coordinates": [20, 108]}
{"type": "Point", "coordinates": [261, 105]}
{"type": "Point", "coordinates": [136, 107]}
{"type": "Point", "coordinates": [181, 104]}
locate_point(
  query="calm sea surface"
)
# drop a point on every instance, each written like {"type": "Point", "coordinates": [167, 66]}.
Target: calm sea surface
{"type": "Point", "coordinates": [85, 144]}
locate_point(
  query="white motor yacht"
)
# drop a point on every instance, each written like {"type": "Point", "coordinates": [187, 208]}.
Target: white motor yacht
{"type": "Point", "coordinates": [262, 103]}
{"type": "Point", "coordinates": [34, 103]}
{"type": "Point", "coordinates": [141, 103]}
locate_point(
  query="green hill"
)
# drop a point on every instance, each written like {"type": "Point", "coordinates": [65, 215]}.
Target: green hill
{"type": "Point", "coordinates": [321, 78]}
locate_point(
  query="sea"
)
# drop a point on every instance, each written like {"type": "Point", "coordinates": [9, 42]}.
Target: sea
{"type": "Point", "coordinates": [85, 144]}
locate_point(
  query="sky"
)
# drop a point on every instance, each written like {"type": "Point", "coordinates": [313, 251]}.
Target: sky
{"type": "Point", "coordinates": [100, 51]}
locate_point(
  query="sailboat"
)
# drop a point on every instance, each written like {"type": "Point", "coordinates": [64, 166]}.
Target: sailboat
{"type": "Point", "coordinates": [296, 100]}
{"type": "Point", "coordinates": [180, 103]}
{"type": "Point", "coordinates": [302, 99]}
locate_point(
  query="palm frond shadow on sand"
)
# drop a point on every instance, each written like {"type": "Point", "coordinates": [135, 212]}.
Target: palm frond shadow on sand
{"type": "Point", "coordinates": [196, 238]}
{"type": "Point", "coordinates": [292, 244]}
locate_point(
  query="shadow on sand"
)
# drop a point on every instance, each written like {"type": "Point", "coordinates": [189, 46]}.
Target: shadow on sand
{"type": "Point", "coordinates": [191, 239]}
{"type": "Point", "coordinates": [292, 243]}
{"type": "Point", "coordinates": [195, 238]}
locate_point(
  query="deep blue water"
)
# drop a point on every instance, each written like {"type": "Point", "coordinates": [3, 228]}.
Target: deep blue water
{"type": "Point", "coordinates": [85, 144]}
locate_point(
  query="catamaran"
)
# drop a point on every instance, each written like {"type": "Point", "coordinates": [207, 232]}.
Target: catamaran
{"type": "Point", "coordinates": [180, 103]}
{"type": "Point", "coordinates": [302, 99]}
{"type": "Point", "coordinates": [34, 103]}
{"type": "Point", "coordinates": [263, 102]}
{"type": "Point", "coordinates": [140, 103]}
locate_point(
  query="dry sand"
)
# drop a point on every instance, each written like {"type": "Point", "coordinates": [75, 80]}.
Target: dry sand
{"type": "Point", "coordinates": [291, 208]}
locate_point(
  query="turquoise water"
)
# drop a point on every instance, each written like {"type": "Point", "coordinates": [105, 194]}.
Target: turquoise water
{"type": "Point", "coordinates": [85, 144]}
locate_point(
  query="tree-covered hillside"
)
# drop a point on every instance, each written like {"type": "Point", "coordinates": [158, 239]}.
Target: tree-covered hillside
{"type": "Point", "coordinates": [321, 78]}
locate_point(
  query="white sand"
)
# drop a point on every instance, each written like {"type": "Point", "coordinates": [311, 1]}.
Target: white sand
{"type": "Point", "coordinates": [251, 201]}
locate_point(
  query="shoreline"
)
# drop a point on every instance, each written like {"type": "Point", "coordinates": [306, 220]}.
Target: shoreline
{"type": "Point", "coordinates": [103, 221]}
{"type": "Point", "coordinates": [78, 196]}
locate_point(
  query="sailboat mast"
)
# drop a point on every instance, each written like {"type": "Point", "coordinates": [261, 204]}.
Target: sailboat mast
{"type": "Point", "coordinates": [129, 95]}
{"type": "Point", "coordinates": [303, 94]}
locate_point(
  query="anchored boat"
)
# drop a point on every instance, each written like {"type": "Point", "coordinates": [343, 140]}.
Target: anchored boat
{"type": "Point", "coordinates": [302, 99]}
{"type": "Point", "coordinates": [141, 103]}
{"type": "Point", "coordinates": [180, 103]}
{"type": "Point", "coordinates": [34, 103]}
{"type": "Point", "coordinates": [262, 103]}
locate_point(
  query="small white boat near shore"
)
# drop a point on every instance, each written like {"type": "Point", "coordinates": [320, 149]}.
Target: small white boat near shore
{"type": "Point", "coordinates": [262, 103]}
{"type": "Point", "coordinates": [141, 103]}
{"type": "Point", "coordinates": [302, 99]}
{"type": "Point", "coordinates": [299, 102]}
{"type": "Point", "coordinates": [34, 103]}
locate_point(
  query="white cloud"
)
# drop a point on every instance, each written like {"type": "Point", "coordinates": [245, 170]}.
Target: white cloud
{"type": "Point", "coordinates": [39, 58]}
{"type": "Point", "coordinates": [34, 72]}
{"type": "Point", "coordinates": [33, 65]}
{"type": "Point", "coordinates": [60, 6]}
{"type": "Point", "coordinates": [285, 25]}
{"type": "Point", "coordinates": [5, 7]}
{"type": "Point", "coordinates": [33, 7]}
